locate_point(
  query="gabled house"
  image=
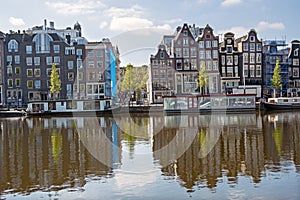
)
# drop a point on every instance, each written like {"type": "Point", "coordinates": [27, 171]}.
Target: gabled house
{"type": "Point", "coordinates": [294, 68]}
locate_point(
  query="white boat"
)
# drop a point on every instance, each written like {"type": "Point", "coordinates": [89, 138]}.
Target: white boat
{"type": "Point", "coordinates": [70, 107]}
{"type": "Point", "coordinates": [282, 103]}
{"type": "Point", "coordinates": [209, 103]}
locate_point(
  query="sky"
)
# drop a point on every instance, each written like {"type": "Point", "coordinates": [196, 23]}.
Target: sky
{"type": "Point", "coordinates": [137, 26]}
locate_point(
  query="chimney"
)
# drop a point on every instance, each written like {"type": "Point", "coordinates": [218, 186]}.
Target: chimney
{"type": "Point", "coordinates": [68, 37]}
{"type": "Point", "coordinates": [45, 24]}
{"type": "Point", "coordinates": [52, 25]}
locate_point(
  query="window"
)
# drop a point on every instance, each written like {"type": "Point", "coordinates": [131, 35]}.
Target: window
{"type": "Point", "coordinates": [258, 47]}
{"type": "Point", "coordinates": [296, 52]}
{"type": "Point", "coordinates": [215, 43]}
{"type": "Point", "coordinates": [179, 64]}
{"type": "Point", "coordinates": [9, 60]}
{"type": "Point", "coordinates": [201, 54]}
{"type": "Point", "coordinates": [178, 52]}
{"type": "Point", "coordinates": [252, 57]}
{"type": "Point", "coordinates": [12, 46]}
{"type": "Point", "coordinates": [17, 70]}
{"type": "Point", "coordinates": [236, 60]}
{"type": "Point", "coordinates": [245, 46]}
{"type": "Point", "coordinates": [70, 64]}
{"type": "Point", "coordinates": [258, 70]}
{"type": "Point", "coordinates": [29, 84]}
{"type": "Point", "coordinates": [9, 71]}
{"type": "Point", "coordinates": [215, 54]}
{"type": "Point", "coordinates": [193, 52]}
{"type": "Point", "coordinates": [29, 73]}
{"type": "Point", "coordinates": [258, 57]}
{"type": "Point", "coordinates": [28, 49]}
{"type": "Point", "coordinates": [37, 84]}
{"type": "Point", "coordinates": [186, 64]}
{"type": "Point", "coordinates": [201, 44]}
{"type": "Point", "coordinates": [9, 83]}
{"type": "Point", "coordinates": [29, 61]}
{"type": "Point", "coordinates": [296, 61]}
{"type": "Point", "coordinates": [42, 43]}
{"type": "Point", "coordinates": [229, 60]}
{"type": "Point", "coordinates": [91, 64]}
{"type": "Point", "coordinates": [18, 82]}
{"type": "Point", "coordinates": [295, 72]}
{"type": "Point", "coordinates": [48, 71]}
{"type": "Point", "coordinates": [252, 39]}
{"type": "Point", "coordinates": [252, 47]}
{"type": "Point", "coordinates": [99, 64]}
{"type": "Point", "coordinates": [99, 53]}
{"type": "Point", "coordinates": [185, 33]}
{"type": "Point", "coordinates": [69, 50]}
{"type": "Point", "coordinates": [185, 52]}
{"type": "Point", "coordinates": [92, 76]}
{"type": "Point", "coordinates": [70, 76]}
{"type": "Point", "coordinates": [162, 55]}
{"type": "Point", "coordinates": [37, 72]}
{"type": "Point", "coordinates": [79, 52]}
{"type": "Point", "coordinates": [215, 65]}
{"type": "Point", "coordinates": [90, 53]}
{"type": "Point", "coordinates": [251, 70]}
{"type": "Point", "coordinates": [56, 48]}
{"type": "Point", "coordinates": [223, 60]}
{"type": "Point", "coordinates": [17, 59]}
{"type": "Point", "coordinates": [185, 41]}
{"type": "Point", "coordinates": [246, 71]}
{"type": "Point", "coordinates": [229, 49]}
{"type": "Point", "coordinates": [57, 60]}
{"type": "Point", "coordinates": [80, 76]}
{"type": "Point", "coordinates": [79, 64]}
{"type": "Point", "coordinates": [207, 44]}
{"type": "Point", "coordinates": [208, 54]}
{"type": "Point", "coordinates": [208, 65]}
{"type": "Point", "coordinates": [245, 57]}
{"type": "Point", "coordinates": [49, 60]}
{"type": "Point", "coordinates": [37, 61]}
{"type": "Point", "coordinates": [193, 64]}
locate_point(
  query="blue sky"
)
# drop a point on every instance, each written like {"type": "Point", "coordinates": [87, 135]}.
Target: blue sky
{"type": "Point", "coordinates": [137, 26]}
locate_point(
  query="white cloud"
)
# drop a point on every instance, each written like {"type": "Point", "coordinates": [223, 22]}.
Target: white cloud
{"type": "Point", "coordinates": [266, 25]}
{"type": "Point", "coordinates": [76, 8]}
{"type": "Point", "coordinates": [134, 11]}
{"type": "Point", "coordinates": [103, 24]}
{"type": "Point", "coordinates": [129, 23]}
{"type": "Point", "coordinates": [237, 30]}
{"type": "Point", "coordinates": [230, 2]}
{"type": "Point", "coordinates": [16, 21]}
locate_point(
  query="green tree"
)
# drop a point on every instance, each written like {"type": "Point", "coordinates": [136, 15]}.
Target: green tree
{"type": "Point", "coordinates": [276, 78]}
{"type": "Point", "coordinates": [55, 83]}
{"type": "Point", "coordinates": [202, 78]}
{"type": "Point", "coordinates": [128, 83]}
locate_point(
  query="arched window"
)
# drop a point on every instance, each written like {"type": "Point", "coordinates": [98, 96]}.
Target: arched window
{"type": "Point", "coordinates": [13, 46]}
{"type": "Point", "coordinates": [42, 43]}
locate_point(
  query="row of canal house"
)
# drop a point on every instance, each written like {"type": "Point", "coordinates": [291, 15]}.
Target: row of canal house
{"type": "Point", "coordinates": [242, 65]}
{"type": "Point", "coordinates": [87, 69]}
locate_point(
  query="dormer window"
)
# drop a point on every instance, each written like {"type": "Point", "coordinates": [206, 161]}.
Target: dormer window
{"type": "Point", "coordinates": [12, 46]}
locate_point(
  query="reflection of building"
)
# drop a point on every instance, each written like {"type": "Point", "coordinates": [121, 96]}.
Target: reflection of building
{"type": "Point", "coordinates": [44, 153]}
{"type": "Point", "coordinates": [200, 149]}
{"type": "Point", "coordinates": [2, 82]}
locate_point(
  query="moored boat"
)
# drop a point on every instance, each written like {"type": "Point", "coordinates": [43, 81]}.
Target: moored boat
{"type": "Point", "coordinates": [70, 107]}
{"type": "Point", "coordinates": [282, 103]}
{"type": "Point", "coordinates": [209, 103]}
{"type": "Point", "coordinates": [12, 113]}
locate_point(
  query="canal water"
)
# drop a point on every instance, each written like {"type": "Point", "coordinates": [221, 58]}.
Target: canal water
{"type": "Point", "coordinates": [212, 156]}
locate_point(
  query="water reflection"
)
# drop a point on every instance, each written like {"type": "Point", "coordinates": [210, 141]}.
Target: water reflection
{"type": "Point", "coordinates": [51, 154]}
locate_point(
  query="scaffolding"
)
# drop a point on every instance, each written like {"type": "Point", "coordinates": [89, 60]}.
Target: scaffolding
{"type": "Point", "coordinates": [276, 50]}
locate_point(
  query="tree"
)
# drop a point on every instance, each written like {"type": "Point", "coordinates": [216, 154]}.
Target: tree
{"type": "Point", "coordinates": [55, 83]}
{"type": "Point", "coordinates": [128, 84]}
{"type": "Point", "coordinates": [276, 78]}
{"type": "Point", "coordinates": [202, 78]}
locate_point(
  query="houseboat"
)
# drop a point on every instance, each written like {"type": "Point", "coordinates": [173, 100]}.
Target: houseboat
{"type": "Point", "coordinates": [70, 107]}
{"type": "Point", "coordinates": [282, 103]}
{"type": "Point", "coordinates": [209, 103]}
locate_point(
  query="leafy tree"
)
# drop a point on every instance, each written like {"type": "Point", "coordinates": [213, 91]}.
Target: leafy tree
{"type": "Point", "coordinates": [202, 78]}
{"type": "Point", "coordinates": [276, 78]}
{"type": "Point", "coordinates": [128, 84]}
{"type": "Point", "coordinates": [55, 82]}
